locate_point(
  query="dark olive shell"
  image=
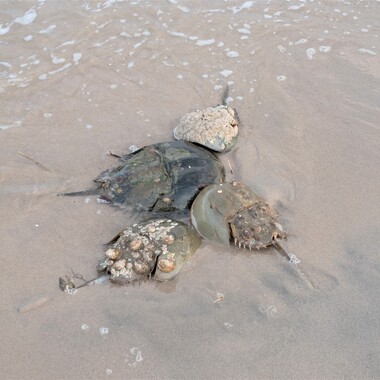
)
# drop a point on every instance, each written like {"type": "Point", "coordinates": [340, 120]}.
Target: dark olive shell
{"type": "Point", "coordinates": [161, 177]}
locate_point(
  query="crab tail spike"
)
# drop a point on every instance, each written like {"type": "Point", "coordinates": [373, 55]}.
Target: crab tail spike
{"type": "Point", "coordinates": [91, 282]}
{"type": "Point", "coordinates": [82, 192]}
{"type": "Point", "coordinates": [225, 95]}
{"type": "Point", "coordinates": [280, 250]}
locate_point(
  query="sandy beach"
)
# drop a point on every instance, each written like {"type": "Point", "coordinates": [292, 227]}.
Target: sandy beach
{"type": "Point", "coordinates": [80, 79]}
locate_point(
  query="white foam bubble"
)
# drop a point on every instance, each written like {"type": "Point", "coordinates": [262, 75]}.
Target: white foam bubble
{"type": "Point", "coordinates": [176, 34]}
{"type": "Point", "coordinates": [294, 260]}
{"type": "Point", "coordinates": [104, 330]}
{"type": "Point", "coordinates": [244, 31]}
{"type": "Point", "coordinates": [205, 42]}
{"type": "Point", "coordinates": [138, 355]}
{"type": "Point", "coordinates": [49, 29]}
{"type": "Point", "coordinates": [64, 67]}
{"type": "Point", "coordinates": [17, 123]}
{"type": "Point", "coordinates": [77, 57]}
{"type": "Point", "coordinates": [108, 3]}
{"type": "Point", "coordinates": [296, 7]}
{"type": "Point", "coordinates": [324, 49]}
{"type": "Point", "coordinates": [309, 53]}
{"type": "Point", "coordinates": [56, 60]}
{"type": "Point", "coordinates": [5, 29]}
{"type": "Point", "coordinates": [232, 54]}
{"type": "Point", "coordinates": [27, 18]}
{"type": "Point", "coordinates": [366, 51]}
{"type": "Point", "coordinates": [281, 49]}
{"type": "Point", "coordinates": [245, 5]}
{"type": "Point", "coordinates": [226, 73]}
{"type": "Point", "coordinates": [28, 38]}
{"type": "Point", "coordinates": [66, 43]}
{"type": "Point", "coordinates": [6, 64]}
{"type": "Point", "coordinates": [301, 41]}
{"type": "Point", "coordinates": [183, 9]}
{"type": "Point", "coordinates": [85, 327]}
{"type": "Point", "coordinates": [281, 78]}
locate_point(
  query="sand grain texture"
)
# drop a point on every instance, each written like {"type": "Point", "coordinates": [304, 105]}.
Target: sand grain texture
{"type": "Point", "coordinates": [78, 80]}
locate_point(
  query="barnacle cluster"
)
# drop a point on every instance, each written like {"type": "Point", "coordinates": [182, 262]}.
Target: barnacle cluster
{"type": "Point", "coordinates": [156, 248]}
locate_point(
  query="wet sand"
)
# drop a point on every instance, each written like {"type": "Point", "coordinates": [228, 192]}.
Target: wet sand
{"type": "Point", "coordinates": [79, 80]}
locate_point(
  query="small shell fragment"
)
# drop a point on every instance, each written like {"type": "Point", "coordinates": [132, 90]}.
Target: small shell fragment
{"type": "Point", "coordinates": [166, 265]}
{"type": "Point", "coordinates": [135, 244]}
{"type": "Point", "coordinates": [214, 127]}
{"type": "Point", "coordinates": [112, 253]}
{"type": "Point", "coordinates": [169, 239]}
{"type": "Point", "coordinates": [119, 264]}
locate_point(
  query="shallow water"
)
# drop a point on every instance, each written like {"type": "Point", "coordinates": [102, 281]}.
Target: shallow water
{"type": "Point", "coordinates": [80, 79]}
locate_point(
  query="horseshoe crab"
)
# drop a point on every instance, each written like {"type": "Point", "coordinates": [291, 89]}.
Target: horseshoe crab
{"type": "Point", "coordinates": [231, 211]}
{"type": "Point", "coordinates": [214, 127]}
{"type": "Point", "coordinates": [162, 177]}
{"type": "Point", "coordinates": [155, 248]}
